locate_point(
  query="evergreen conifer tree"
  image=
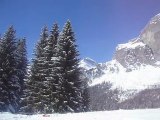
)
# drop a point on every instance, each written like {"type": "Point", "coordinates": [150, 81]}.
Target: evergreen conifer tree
{"type": "Point", "coordinates": [38, 73]}
{"type": "Point", "coordinates": [51, 56]}
{"type": "Point", "coordinates": [22, 62]}
{"type": "Point", "coordinates": [3, 89]}
{"type": "Point", "coordinates": [70, 85]}
{"type": "Point", "coordinates": [9, 80]}
{"type": "Point", "coordinates": [54, 83]}
{"type": "Point", "coordinates": [35, 93]}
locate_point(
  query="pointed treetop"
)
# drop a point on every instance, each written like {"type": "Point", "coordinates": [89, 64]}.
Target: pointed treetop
{"type": "Point", "coordinates": [10, 31]}
{"type": "Point", "coordinates": [55, 26]}
{"type": "Point", "coordinates": [44, 34]}
{"type": "Point", "coordinates": [11, 27]}
{"type": "Point", "coordinates": [67, 29]}
{"type": "Point", "coordinates": [68, 23]}
{"type": "Point", "coordinates": [55, 30]}
{"type": "Point", "coordinates": [42, 43]}
{"type": "Point", "coordinates": [53, 38]}
{"type": "Point", "coordinates": [44, 31]}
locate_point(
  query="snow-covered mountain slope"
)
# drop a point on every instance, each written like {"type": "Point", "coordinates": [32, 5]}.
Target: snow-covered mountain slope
{"type": "Point", "coordinates": [135, 65]}
{"type": "Point", "coordinates": [144, 114]}
{"type": "Point", "coordinates": [87, 63]}
{"type": "Point", "coordinates": [90, 68]}
{"type": "Point", "coordinates": [139, 79]}
{"type": "Point", "coordinates": [134, 68]}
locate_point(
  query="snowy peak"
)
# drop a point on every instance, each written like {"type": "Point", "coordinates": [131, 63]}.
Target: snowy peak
{"type": "Point", "coordinates": [155, 19]}
{"type": "Point", "coordinates": [87, 63]}
{"type": "Point", "coordinates": [131, 45]}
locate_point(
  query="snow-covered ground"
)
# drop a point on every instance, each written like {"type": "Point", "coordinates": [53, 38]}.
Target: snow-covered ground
{"type": "Point", "coordinates": [144, 114]}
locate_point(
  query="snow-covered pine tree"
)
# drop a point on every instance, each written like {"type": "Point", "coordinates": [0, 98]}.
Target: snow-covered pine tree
{"type": "Point", "coordinates": [26, 103]}
{"type": "Point", "coordinates": [70, 84]}
{"type": "Point", "coordinates": [8, 74]}
{"type": "Point", "coordinates": [3, 90]}
{"type": "Point", "coordinates": [54, 34]}
{"type": "Point", "coordinates": [51, 55]}
{"type": "Point", "coordinates": [22, 62]}
{"type": "Point", "coordinates": [38, 74]}
{"type": "Point", "coordinates": [35, 94]}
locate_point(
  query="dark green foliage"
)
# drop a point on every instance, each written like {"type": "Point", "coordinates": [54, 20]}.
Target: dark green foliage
{"type": "Point", "coordinates": [54, 34]}
{"type": "Point", "coordinates": [9, 80]}
{"type": "Point", "coordinates": [22, 62]}
{"type": "Point", "coordinates": [3, 89]}
{"type": "Point", "coordinates": [52, 78]}
{"type": "Point", "coordinates": [54, 83]}
{"type": "Point", "coordinates": [36, 86]}
{"type": "Point", "coordinates": [70, 84]}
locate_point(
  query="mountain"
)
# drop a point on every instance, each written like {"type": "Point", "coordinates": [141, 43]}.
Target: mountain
{"type": "Point", "coordinates": [134, 68]}
{"type": "Point", "coordinates": [88, 63]}
{"type": "Point", "coordinates": [91, 68]}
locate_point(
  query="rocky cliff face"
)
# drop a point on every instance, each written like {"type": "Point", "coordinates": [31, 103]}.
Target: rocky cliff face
{"type": "Point", "coordinates": [134, 54]}
{"type": "Point", "coordinates": [143, 50]}
{"type": "Point", "coordinates": [151, 36]}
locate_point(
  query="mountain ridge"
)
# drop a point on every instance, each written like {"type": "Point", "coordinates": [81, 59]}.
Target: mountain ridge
{"type": "Point", "coordinates": [132, 78]}
{"type": "Point", "coordinates": [134, 69]}
{"type": "Point", "coordinates": [139, 53]}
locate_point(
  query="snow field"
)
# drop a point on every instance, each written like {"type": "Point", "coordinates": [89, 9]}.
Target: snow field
{"type": "Point", "coordinates": [143, 114]}
{"type": "Point", "coordinates": [139, 79]}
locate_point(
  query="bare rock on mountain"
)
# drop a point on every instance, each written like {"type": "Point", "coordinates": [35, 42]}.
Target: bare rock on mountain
{"type": "Point", "coordinates": [143, 50]}
{"type": "Point", "coordinates": [151, 36]}
{"type": "Point", "coordinates": [134, 54]}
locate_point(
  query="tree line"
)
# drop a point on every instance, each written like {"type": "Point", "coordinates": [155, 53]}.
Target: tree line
{"type": "Point", "coordinates": [51, 83]}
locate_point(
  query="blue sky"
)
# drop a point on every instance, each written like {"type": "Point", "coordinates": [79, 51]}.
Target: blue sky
{"type": "Point", "coordinates": [99, 24]}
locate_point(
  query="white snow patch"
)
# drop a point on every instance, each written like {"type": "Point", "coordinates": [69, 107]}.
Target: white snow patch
{"type": "Point", "coordinates": [155, 19]}
{"type": "Point", "coordinates": [130, 45]}
{"type": "Point", "coordinates": [139, 79]}
{"type": "Point", "coordinates": [143, 114]}
{"type": "Point", "coordinates": [114, 64]}
{"type": "Point", "coordinates": [87, 63]}
{"type": "Point", "coordinates": [157, 63]}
